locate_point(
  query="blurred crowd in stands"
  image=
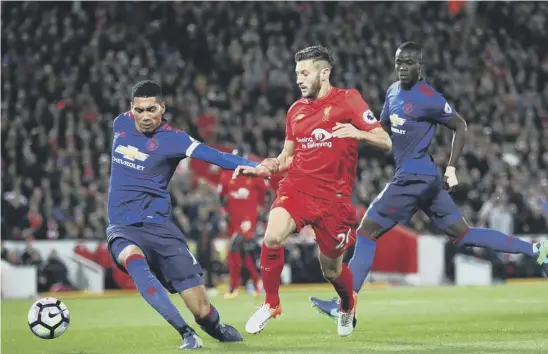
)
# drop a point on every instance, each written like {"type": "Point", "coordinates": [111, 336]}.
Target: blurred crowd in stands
{"type": "Point", "coordinates": [227, 72]}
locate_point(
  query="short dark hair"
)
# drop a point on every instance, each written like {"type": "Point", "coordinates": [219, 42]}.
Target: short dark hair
{"type": "Point", "coordinates": [410, 46]}
{"type": "Point", "coordinates": [147, 88]}
{"type": "Point", "coordinates": [315, 53]}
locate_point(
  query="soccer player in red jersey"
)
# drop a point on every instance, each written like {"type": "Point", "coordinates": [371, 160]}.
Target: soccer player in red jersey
{"type": "Point", "coordinates": [242, 198]}
{"type": "Point", "coordinates": [320, 155]}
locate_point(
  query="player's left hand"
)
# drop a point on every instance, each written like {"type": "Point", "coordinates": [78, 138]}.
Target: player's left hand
{"type": "Point", "coordinates": [450, 178]}
{"type": "Point", "coordinates": [345, 130]}
{"type": "Point", "coordinates": [259, 171]}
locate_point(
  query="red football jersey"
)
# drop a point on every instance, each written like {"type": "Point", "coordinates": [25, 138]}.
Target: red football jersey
{"type": "Point", "coordinates": [243, 195]}
{"type": "Point", "coordinates": [323, 166]}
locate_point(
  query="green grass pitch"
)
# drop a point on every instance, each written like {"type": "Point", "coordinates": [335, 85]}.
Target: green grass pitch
{"type": "Point", "coordinates": [498, 319]}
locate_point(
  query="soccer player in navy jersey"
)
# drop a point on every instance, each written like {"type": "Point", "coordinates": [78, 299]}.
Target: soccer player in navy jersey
{"type": "Point", "coordinates": [142, 238]}
{"type": "Point", "coordinates": [412, 110]}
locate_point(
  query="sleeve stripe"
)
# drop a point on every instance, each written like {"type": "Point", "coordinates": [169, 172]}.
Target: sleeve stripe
{"type": "Point", "coordinates": [191, 148]}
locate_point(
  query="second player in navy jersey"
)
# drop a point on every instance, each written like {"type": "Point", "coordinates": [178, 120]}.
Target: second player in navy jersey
{"type": "Point", "coordinates": [142, 239]}
{"type": "Point", "coordinates": [411, 113]}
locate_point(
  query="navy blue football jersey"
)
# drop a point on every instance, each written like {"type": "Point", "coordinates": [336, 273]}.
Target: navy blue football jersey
{"type": "Point", "coordinates": [142, 167]}
{"type": "Point", "coordinates": [413, 116]}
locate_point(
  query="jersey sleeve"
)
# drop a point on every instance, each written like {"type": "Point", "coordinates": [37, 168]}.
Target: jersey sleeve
{"type": "Point", "coordinates": [183, 145]}
{"type": "Point", "coordinates": [362, 117]}
{"type": "Point", "coordinates": [288, 127]}
{"type": "Point", "coordinates": [440, 110]}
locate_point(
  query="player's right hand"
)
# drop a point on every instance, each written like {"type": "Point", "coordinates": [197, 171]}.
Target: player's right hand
{"type": "Point", "coordinates": [450, 179]}
{"type": "Point", "coordinates": [272, 163]}
{"type": "Point", "coordinates": [259, 171]}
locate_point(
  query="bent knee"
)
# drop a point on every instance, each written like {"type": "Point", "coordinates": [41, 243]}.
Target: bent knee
{"type": "Point", "coordinates": [457, 230]}
{"type": "Point", "coordinates": [371, 228]}
{"type": "Point", "coordinates": [280, 226]}
{"type": "Point", "coordinates": [274, 238]}
{"type": "Point", "coordinates": [128, 251]}
{"type": "Point", "coordinates": [331, 273]}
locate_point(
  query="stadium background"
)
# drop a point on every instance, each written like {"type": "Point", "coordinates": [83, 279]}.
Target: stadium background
{"type": "Point", "coordinates": [227, 73]}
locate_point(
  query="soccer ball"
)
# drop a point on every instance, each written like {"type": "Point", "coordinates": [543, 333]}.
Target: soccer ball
{"type": "Point", "coordinates": [48, 318]}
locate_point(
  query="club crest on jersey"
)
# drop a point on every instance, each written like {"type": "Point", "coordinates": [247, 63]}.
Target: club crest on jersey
{"type": "Point", "coordinates": [131, 153]}
{"type": "Point", "coordinates": [407, 108]}
{"type": "Point", "coordinates": [397, 122]}
{"type": "Point", "coordinates": [321, 134]}
{"type": "Point", "coordinates": [369, 117]}
{"type": "Point", "coordinates": [152, 144]}
{"type": "Point", "coordinates": [326, 112]}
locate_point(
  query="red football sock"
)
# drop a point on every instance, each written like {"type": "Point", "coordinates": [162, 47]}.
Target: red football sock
{"type": "Point", "coordinates": [234, 268]}
{"type": "Point", "coordinates": [250, 265]}
{"type": "Point", "coordinates": [343, 287]}
{"type": "Point", "coordinates": [272, 264]}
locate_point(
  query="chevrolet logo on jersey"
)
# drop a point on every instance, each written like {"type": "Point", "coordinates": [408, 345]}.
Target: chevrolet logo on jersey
{"type": "Point", "coordinates": [131, 153]}
{"type": "Point", "coordinates": [397, 122]}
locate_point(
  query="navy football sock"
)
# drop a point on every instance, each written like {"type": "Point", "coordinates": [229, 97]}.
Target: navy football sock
{"type": "Point", "coordinates": [362, 260]}
{"type": "Point", "coordinates": [153, 292]}
{"type": "Point", "coordinates": [211, 320]}
{"type": "Point", "coordinates": [496, 241]}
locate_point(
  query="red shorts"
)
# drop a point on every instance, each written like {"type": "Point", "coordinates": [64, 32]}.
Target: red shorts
{"type": "Point", "coordinates": [245, 226]}
{"type": "Point", "coordinates": [334, 223]}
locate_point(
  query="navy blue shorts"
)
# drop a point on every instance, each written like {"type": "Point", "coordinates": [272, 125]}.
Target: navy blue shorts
{"type": "Point", "coordinates": [405, 194]}
{"type": "Point", "coordinates": [165, 249]}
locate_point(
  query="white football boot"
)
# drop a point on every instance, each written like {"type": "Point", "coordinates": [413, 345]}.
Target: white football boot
{"type": "Point", "coordinates": [347, 320]}
{"type": "Point", "coordinates": [260, 318]}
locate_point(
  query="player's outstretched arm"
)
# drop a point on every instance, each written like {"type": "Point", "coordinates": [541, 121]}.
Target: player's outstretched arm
{"type": "Point", "coordinates": [269, 165]}
{"type": "Point", "coordinates": [197, 150]}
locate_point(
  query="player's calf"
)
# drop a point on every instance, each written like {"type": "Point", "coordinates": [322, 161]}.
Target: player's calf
{"type": "Point", "coordinates": [132, 258]}
{"type": "Point", "coordinates": [340, 276]}
{"type": "Point", "coordinates": [280, 226]}
{"type": "Point", "coordinates": [234, 265]}
{"type": "Point", "coordinates": [360, 265]}
{"type": "Point", "coordinates": [462, 234]}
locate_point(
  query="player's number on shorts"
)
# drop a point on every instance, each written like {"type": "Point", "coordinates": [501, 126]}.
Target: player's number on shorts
{"type": "Point", "coordinates": [343, 238]}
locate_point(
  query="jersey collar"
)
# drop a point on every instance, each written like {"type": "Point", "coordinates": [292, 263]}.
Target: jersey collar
{"type": "Point", "coordinates": [419, 81]}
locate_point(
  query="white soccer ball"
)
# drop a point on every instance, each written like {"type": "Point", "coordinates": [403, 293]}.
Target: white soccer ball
{"type": "Point", "coordinates": [48, 318]}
